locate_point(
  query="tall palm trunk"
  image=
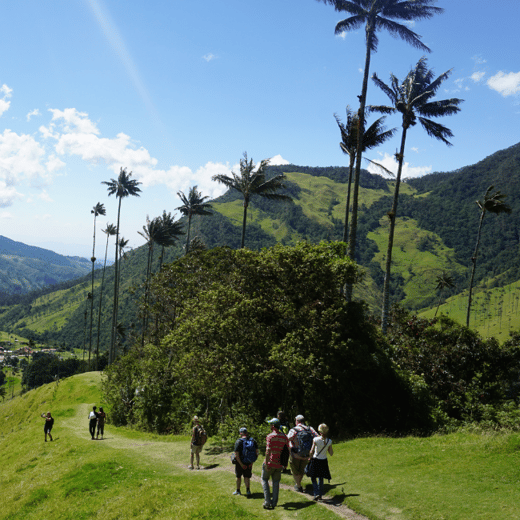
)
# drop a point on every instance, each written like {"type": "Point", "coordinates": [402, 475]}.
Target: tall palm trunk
{"type": "Point", "coordinates": [473, 269]}
{"type": "Point", "coordinates": [93, 260]}
{"type": "Point", "coordinates": [116, 290]}
{"type": "Point", "coordinates": [244, 220]}
{"type": "Point", "coordinates": [100, 302]}
{"type": "Point", "coordinates": [146, 291]}
{"type": "Point", "coordinates": [392, 216]}
{"type": "Point", "coordinates": [361, 130]}
{"type": "Point", "coordinates": [347, 209]}
{"type": "Point", "coordinates": [188, 235]}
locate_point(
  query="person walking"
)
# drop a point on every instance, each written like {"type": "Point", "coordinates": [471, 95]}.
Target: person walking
{"type": "Point", "coordinates": [102, 416]}
{"type": "Point", "coordinates": [49, 423]}
{"type": "Point", "coordinates": [318, 467]}
{"type": "Point", "coordinates": [198, 438]}
{"type": "Point", "coordinates": [300, 441]}
{"type": "Point", "coordinates": [92, 422]}
{"type": "Point", "coordinates": [246, 453]}
{"type": "Point", "coordinates": [272, 466]}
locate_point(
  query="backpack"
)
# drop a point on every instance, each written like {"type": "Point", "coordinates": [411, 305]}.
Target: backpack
{"type": "Point", "coordinates": [248, 451]}
{"type": "Point", "coordinates": [284, 456]}
{"type": "Point", "coordinates": [200, 436]}
{"type": "Point", "coordinates": [304, 437]}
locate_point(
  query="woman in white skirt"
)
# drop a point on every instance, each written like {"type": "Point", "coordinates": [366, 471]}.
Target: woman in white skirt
{"type": "Point", "coordinates": [318, 467]}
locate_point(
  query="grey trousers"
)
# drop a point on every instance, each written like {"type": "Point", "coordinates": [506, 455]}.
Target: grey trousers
{"type": "Point", "coordinates": [276, 475]}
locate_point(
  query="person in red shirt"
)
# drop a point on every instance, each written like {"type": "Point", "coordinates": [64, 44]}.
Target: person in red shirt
{"type": "Point", "coordinates": [272, 467]}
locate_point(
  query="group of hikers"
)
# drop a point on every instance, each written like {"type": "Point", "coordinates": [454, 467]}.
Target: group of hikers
{"type": "Point", "coordinates": [96, 419]}
{"type": "Point", "coordinates": [301, 446]}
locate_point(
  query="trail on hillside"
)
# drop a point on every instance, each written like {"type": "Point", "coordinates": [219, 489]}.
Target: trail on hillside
{"type": "Point", "coordinates": [169, 453]}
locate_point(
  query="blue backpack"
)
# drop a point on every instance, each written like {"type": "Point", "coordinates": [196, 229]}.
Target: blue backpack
{"type": "Point", "coordinates": [305, 438]}
{"type": "Point", "coordinates": [248, 451]}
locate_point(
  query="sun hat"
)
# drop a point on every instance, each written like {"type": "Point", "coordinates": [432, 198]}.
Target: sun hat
{"type": "Point", "coordinates": [242, 430]}
{"type": "Point", "coordinates": [274, 422]}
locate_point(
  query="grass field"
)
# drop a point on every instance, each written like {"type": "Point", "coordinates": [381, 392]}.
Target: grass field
{"type": "Point", "coordinates": [137, 475]}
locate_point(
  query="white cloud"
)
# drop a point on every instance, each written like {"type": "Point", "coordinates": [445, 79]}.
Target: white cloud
{"type": "Point", "coordinates": [414, 149]}
{"type": "Point", "coordinates": [477, 76]}
{"type": "Point", "coordinates": [6, 215]}
{"type": "Point", "coordinates": [34, 112]}
{"type": "Point", "coordinates": [505, 84]}
{"type": "Point", "coordinates": [8, 195]}
{"type": "Point", "coordinates": [45, 196]}
{"type": "Point", "coordinates": [278, 160]}
{"type": "Point", "coordinates": [389, 162]}
{"type": "Point", "coordinates": [479, 60]}
{"type": "Point", "coordinates": [209, 57]}
{"type": "Point", "coordinates": [4, 104]}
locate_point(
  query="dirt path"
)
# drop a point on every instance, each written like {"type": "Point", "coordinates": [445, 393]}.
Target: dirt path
{"type": "Point", "coordinates": [169, 453]}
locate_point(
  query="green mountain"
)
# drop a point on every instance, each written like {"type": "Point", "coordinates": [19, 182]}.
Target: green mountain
{"type": "Point", "coordinates": [436, 232]}
{"type": "Point", "coordinates": [25, 268]}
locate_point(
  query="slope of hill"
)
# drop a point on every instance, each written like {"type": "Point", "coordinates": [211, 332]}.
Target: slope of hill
{"type": "Point", "coordinates": [131, 474]}
{"type": "Point", "coordinates": [24, 268]}
{"type": "Point", "coordinates": [436, 231]}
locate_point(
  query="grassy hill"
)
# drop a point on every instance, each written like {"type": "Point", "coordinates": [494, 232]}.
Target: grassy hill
{"type": "Point", "coordinates": [137, 475]}
{"type": "Point", "coordinates": [436, 231]}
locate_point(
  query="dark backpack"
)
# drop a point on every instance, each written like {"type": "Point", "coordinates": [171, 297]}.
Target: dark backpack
{"type": "Point", "coordinates": [248, 451]}
{"type": "Point", "coordinates": [284, 456]}
{"type": "Point", "coordinates": [304, 437]}
{"type": "Point", "coordinates": [200, 436]}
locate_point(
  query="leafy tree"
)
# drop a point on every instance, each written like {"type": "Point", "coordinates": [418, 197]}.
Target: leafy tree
{"type": "Point", "coordinates": [172, 230]}
{"type": "Point", "coordinates": [122, 187]}
{"type": "Point", "coordinates": [494, 203]}
{"type": "Point", "coordinates": [98, 209]}
{"type": "Point", "coordinates": [373, 136]}
{"type": "Point", "coordinates": [193, 204]}
{"type": "Point", "coordinates": [248, 331]}
{"type": "Point", "coordinates": [412, 98]}
{"type": "Point", "coordinates": [377, 15]}
{"type": "Point", "coordinates": [45, 368]}
{"type": "Point", "coordinates": [252, 181]}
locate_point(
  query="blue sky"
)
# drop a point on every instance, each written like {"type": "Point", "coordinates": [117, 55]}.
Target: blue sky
{"type": "Point", "coordinates": [177, 90]}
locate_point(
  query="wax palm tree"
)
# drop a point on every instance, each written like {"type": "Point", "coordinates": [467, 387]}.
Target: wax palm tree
{"type": "Point", "coordinates": [494, 203]}
{"type": "Point", "coordinates": [374, 135]}
{"type": "Point", "coordinates": [172, 231]}
{"type": "Point", "coordinates": [444, 281]}
{"type": "Point", "coordinates": [377, 15]}
{"type": "Point", "coordinates": [193, 204]}
{"type": "Point", "coordinates": [412, 98]}
{"type": "Point", "coordinates": [121, 187]}
{"type": "Point", "coordinates": [98, 209]}
{"type": "Point", "coordinates": [110, 231]}
{"type": "Point", "coordinates": [252, 181]}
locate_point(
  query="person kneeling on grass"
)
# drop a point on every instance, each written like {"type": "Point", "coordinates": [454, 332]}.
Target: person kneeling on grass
{"type": "Point", "coordinates": [246, 453]}
{"type": "Point", "coordinates": [49, 423]}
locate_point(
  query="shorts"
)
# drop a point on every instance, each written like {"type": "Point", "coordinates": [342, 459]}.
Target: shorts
{"type": "Point", "coordinates": [298, 466]}
{"type": "Point", "coordinates": [196, 449]}
{"type": "Point", "coordinates": [246, 473]}
{"type": "Point", "coordinates": [47, 429]}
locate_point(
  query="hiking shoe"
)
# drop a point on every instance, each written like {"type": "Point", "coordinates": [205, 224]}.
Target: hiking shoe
{"type": "Point", "coordinates": [248, 493]}
{"type": "Point", "coordinates": [198, 467]}
{"type": "Point", "coordinates": [298, 488]}
{"type": "Point", "coordinates": [267, 506]}
{"type": "Point", "coordinates": [237, 492]}
{"type": "Point", "coordinates": [190, 467]}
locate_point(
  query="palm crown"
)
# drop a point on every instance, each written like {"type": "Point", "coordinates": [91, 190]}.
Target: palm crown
{"type": "Point", "coordinates": [252, 181]}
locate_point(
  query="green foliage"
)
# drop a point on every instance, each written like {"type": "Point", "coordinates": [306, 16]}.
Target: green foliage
{"type": "Point", "coordinates": [466, 375]}
{"type": "Point", "coordinates": [247, 332]}
{"type": "Point", "coordinates": [46, 368]}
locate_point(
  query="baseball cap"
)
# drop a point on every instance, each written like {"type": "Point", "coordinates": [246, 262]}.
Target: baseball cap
{"type": "Point", "coordinates": [242, 430]}
{"type": "Point", "coordinates": [300, 417]}
{"type": "Point", "coordinates": [274, 422]}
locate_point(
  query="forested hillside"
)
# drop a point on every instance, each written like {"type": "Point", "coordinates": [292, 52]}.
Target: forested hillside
{"type": "Point", "coordinates": [24, 268]}
{"type": "Point", "coordinates": [436, 231]}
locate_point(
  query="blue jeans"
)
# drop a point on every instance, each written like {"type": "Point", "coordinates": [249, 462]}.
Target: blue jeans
{"type": "Point", "coordinates": [276, 475]}
{"type": "Point", "coordinates": [317, 486]}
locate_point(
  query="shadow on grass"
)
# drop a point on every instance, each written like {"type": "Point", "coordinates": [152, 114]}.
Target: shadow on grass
{"type": "Point", "coordinates": [210, 466]}
{"type": "Point", "coordinates": [296, 506]}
